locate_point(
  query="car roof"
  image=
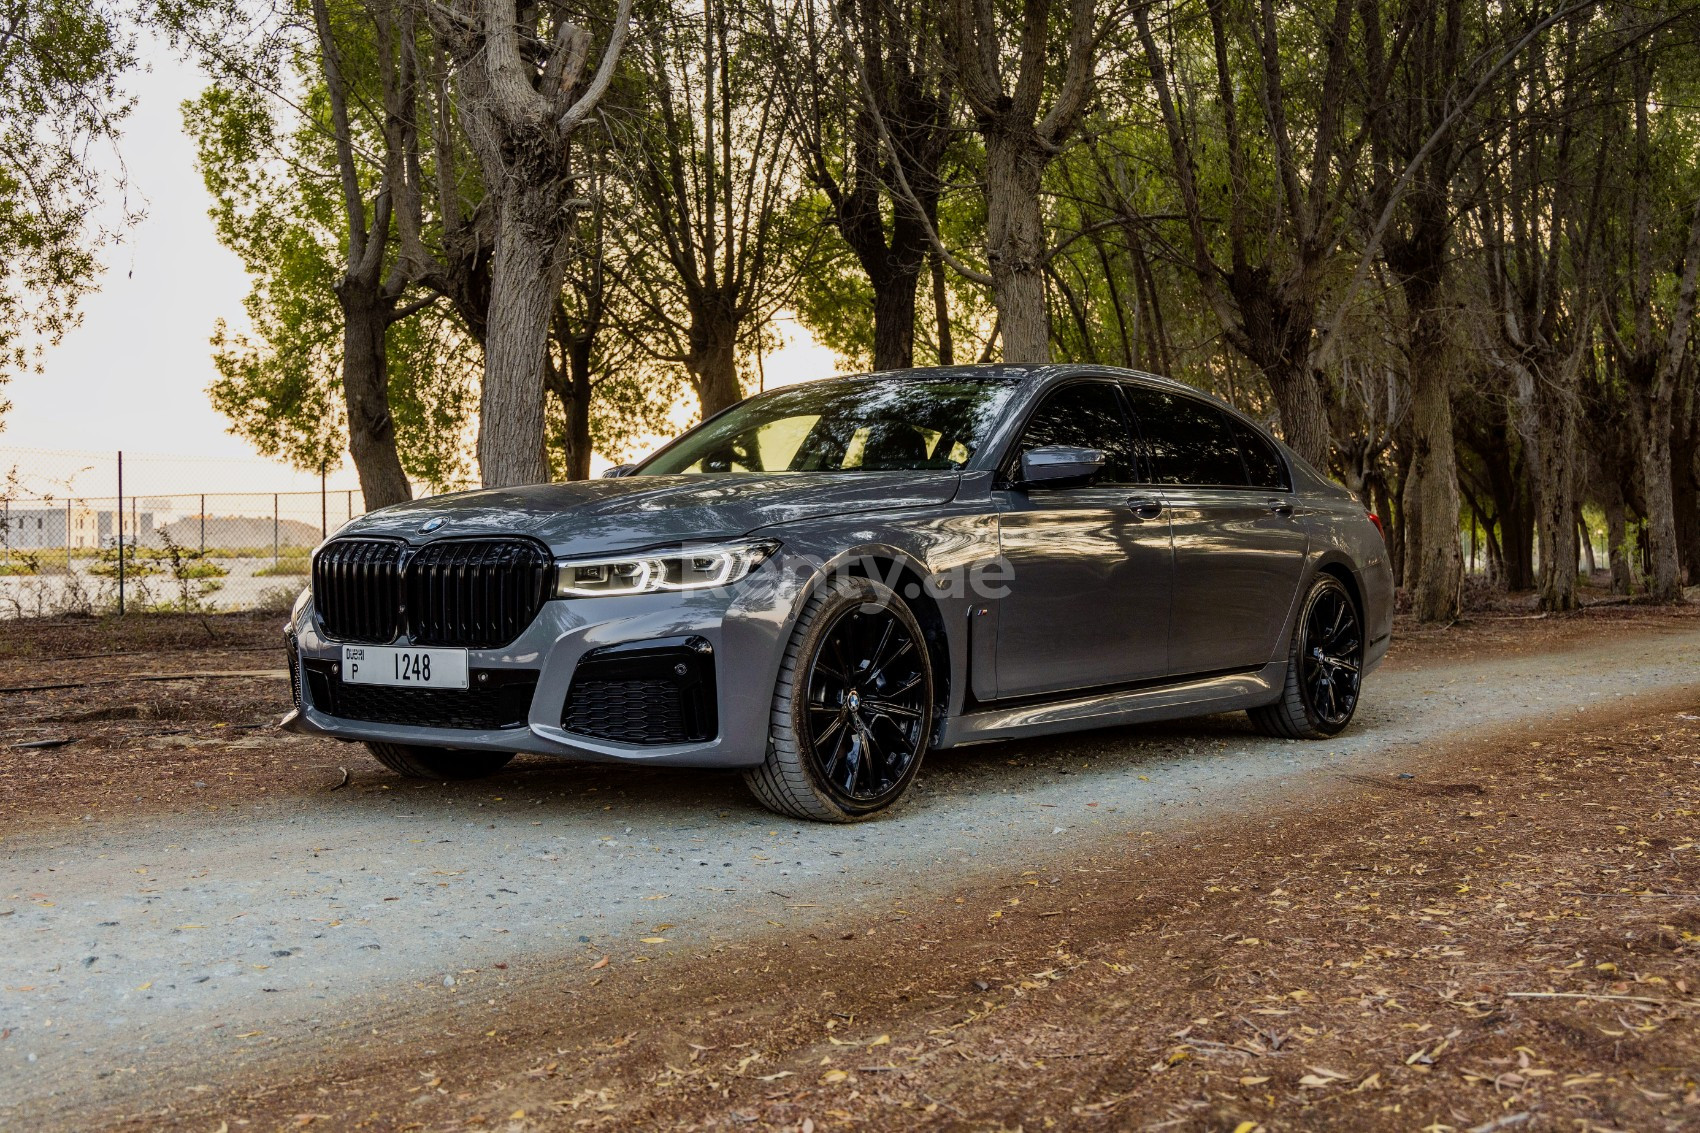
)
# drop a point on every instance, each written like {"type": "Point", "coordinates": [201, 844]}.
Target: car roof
{"type": "Point", "coordinates": [1033, 373]}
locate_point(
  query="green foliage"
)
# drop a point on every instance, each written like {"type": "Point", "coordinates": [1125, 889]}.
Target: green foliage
{"type": "Point", "coordinates": [60, 102]}
{"type": "Point", "coordinates": [191, 573]}
{"type": "Point", "coordinates": [276, 205]}
{"type": "Point", "coordinates": [836, 303]}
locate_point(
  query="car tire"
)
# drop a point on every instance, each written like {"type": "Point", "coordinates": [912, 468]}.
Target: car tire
{"type": "Point", "coordinates": [852, 708]}
{"type": "Point", "coordinates": [1324, 668]}
{"type": "Point", "coordinates": [418, 762]}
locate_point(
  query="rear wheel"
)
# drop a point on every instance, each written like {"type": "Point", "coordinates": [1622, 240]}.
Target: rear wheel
{"type": "Point", "coordinates": [852, 710]}
{"type": "Point", "coordinates": [418, 762]}
{"type": "Point", "coordinates": [1324, 668]}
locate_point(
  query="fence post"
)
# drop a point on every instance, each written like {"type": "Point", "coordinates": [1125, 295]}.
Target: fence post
{"type": "Point", "coordinates": [67, 535]}
{"type": "Point", "coordinates": [118, 517]}
{"type": "Point", "coordinates": [351, 503]}
{"type": "Point", "coordinates": [274, 529]}
{"type": "Point", "coordinates": [203, 523]}
{"type": "Point", "coordinates": [324, 505]}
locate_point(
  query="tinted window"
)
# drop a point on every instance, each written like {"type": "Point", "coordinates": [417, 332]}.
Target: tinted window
{"type": "Point", "coordinates": [854, 425]}
{"type": "Point", "coordinates": [1267, 468]}
{"type": "Point", "coordinates": [1187, 441]}
{"type": "Point", "coordinates": [1086, 415]}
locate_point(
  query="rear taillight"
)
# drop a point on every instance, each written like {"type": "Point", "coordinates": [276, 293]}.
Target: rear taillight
{"type": "Point", "coordinates": [1382, 531]}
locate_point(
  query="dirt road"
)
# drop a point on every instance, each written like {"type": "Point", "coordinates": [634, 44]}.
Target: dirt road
{"type": "Point", "coordinates": [163, 956]}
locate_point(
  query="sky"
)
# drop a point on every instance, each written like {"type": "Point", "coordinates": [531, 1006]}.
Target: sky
{"type": "Point", "coordinates": [134, 374]}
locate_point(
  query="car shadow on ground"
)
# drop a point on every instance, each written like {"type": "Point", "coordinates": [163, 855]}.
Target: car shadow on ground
{"type": "Point", "coordinates": [552, 791]}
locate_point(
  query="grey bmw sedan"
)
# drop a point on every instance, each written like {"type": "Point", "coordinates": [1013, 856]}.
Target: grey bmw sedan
{"type": "Point", "coordinates": [822, 583]}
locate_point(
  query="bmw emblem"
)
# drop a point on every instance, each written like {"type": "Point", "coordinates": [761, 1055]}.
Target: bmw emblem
{"type": "Point", "coordinates": [431, 525]}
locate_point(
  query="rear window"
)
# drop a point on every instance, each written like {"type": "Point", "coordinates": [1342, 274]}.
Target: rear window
{"type": "Point", "coordinates": [1187, 441]}
{"type": "Point", "coordinates": [1262, 462]}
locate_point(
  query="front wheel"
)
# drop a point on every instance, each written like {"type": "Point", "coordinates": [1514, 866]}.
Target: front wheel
{"type": "Point", "coordinates": [1324, 668]}
{"type": "Point", "coordinates": [418, 762]}
{"type": "Point", "coordinates": [852, 710]}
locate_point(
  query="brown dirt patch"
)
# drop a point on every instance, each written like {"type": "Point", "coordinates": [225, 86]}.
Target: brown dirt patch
{"type": "Point", "coordinates": [1356, 962]}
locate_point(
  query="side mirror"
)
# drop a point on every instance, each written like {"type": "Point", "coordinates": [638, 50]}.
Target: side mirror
{"type": "Point", "coordinates": [1056, 465]}
{"type": "Point", "coordinates": [619, 470]}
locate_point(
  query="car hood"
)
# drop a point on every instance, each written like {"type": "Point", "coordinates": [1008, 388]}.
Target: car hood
{"type": "Point", "coordinates": [596, 516]}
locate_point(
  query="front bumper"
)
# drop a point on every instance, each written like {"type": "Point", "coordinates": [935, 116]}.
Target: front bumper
{"type": "Point", "coordinates": [744, 627]}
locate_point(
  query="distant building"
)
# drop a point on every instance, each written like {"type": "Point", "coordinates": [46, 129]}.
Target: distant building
{"type": "Point", "coordinates": [67, 525]}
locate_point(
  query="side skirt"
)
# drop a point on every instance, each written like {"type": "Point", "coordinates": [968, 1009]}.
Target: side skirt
{"type": "Point", "coordinates": [1200, 696]}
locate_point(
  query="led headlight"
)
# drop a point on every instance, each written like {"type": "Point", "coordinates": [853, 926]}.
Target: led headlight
{"type": "Point", "coordinates": [684, 568]}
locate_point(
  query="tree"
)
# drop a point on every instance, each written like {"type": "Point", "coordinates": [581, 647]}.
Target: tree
{"type": "Point", "coordinates": [1285, 211]}
{"type": "Point", "coordinates": [871, 110]}
{"type": "Point", "coordinates": [1020, 141]}
{"type": "Point", "coordinates": [1651, 359]}
{"type": "Point", "coordinates": [524, 88]}
{"type": "Point", "coordinates": [1411, 130]}
{"type": "Point", "coordinates": [327, 217]}
{"type": "Point", "coordinates": [709, 165]}
{"type": "Point", "coordinates": [61, 62]}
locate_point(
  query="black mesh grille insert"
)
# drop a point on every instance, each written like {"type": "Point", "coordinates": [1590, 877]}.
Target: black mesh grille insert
{"type": "Point", "coordinates": [292, 650]}
{"type": "Point", "coordinates": [502, 699]}
{"type": "Point", "coordinates": [660, 694]}
{"type": "Point", "coordinates": [356, 587]}
{"type": "Point", "coordinates": [478, 593]}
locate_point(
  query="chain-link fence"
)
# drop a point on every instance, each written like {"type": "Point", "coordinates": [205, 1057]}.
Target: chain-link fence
{"type": "Point", "coordinates": [99, 532]}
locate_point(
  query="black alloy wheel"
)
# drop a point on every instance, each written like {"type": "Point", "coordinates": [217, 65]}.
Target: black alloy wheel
{"type": "Point", "coordinates": [852, 707]}
{"type": "Point", "coordinates": [1325, 662]}
{"type": "Point", "coordinates": [867, 703]}
{"type": "Point", "coordinates": [1330, 657]}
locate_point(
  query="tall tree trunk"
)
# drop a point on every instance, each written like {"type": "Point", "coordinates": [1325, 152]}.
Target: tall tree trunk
{"type": "Point", "coordinates": [1617, 539]}
{"type": "Point", "coordinates": [941, 314]}
{"type": "Point", "coordinates": [366, 393]}
{"type": "Point", "coordinates": [1298, 401]}
{"type": "Point", "coordinates": [1439, 569]}
{"type": "Point", "coordinates": [1554, 467]}
{"type": "Point", "coordinates": [1015, 242]}
{"type": "Point", "coordinates": [576, 406]}
{"type": "Point", "coordinates": [1685, 492]}
{"type": "Point", "coordinates": [1665, 581]}
{"type": "Point", "coordinates": [519, 118]}
{"type": "Point", "coordinates": [526, 277]}
{"type": "Point", "coordinates": [1411, 512]}
{"type": "Point", "coordinates": [1665, 585]}
{"type": "Point", "coordinates": [573, 386]}
{"type": "Point", "coordinates": [714, 363]}
{"type": "Point", "coordinates": [894, 316]}
{"type": "Point", "coordinates": [1021, 137]}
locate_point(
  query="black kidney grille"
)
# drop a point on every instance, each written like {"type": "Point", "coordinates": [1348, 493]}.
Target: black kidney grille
{"type": "Point", "coordinates": [356, 589]}
{"type": "Point", "coordinates": [477, 593]}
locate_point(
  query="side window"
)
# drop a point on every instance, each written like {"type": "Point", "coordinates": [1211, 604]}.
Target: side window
{"type": "Point", "coordinates": [1267, 468]}
{"type": "Point", "coordinates": [1086, 415]}
{"type": "Point", "coordinates": [1187, 441]}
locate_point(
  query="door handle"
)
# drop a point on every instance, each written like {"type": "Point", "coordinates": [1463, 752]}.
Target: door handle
{"type": "Point", "coordinates": [1282, 508]}
{"type": "Point", "coordinates": [1144, 507]}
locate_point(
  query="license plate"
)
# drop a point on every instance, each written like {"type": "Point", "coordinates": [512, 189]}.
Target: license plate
{"type": "Point", "coordinates": [413, 668]}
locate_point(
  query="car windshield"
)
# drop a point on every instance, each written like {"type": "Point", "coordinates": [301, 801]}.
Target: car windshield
{"type": "Point", "coordinates": [856, 425]}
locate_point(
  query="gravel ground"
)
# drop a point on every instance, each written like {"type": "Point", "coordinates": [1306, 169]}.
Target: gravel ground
{"type": "Point", "coordinates": [138, 947]}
